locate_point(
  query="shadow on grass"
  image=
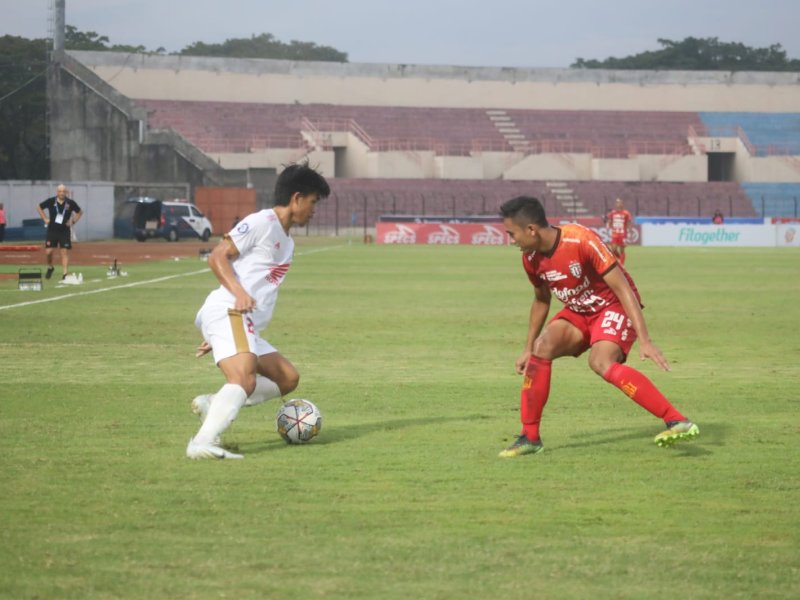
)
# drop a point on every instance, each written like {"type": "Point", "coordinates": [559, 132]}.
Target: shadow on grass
{"type": "Point", "coordinates": [711, 434]}
{"type": "Point", "coordinates": [342, 434]}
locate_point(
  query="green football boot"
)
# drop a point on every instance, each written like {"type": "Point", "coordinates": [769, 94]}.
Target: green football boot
{"type": "Point", "coordinates": [522, 445]}
{"type": "Point", "coordinates": [677, 431]}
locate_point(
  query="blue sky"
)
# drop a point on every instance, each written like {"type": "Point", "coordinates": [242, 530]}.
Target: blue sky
{"type": "Point", "coordinates": [499, 33]}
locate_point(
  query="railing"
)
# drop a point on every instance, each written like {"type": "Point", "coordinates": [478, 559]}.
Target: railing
{"type": "Point", "coordinates": [247, 144]}
{"type": "Point", "coordinates": [778, 149]}
{"type": "Point", "coordinates": [745, 141]}
{"type": "Point", "coordinates": [357, 211]}
{"type": "Point", "coordinates": [694, 138]}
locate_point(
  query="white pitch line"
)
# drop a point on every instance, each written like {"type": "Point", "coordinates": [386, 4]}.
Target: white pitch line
{"type": "Point", "coordinates": [108, 289]}
{"type": "Point", "coordinates": [138, 283]}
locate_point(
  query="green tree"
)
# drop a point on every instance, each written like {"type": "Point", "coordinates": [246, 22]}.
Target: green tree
{"type": "Point", "coordinates": [23, 103]}
{"type": "Point", "coordinates": [700, 54]}
{"type": "Point", "coordinates": [74, 39]}
{"type": "Point", "coordinates": [265, 45]}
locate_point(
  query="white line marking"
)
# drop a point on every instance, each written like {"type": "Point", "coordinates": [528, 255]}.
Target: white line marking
{"type": "Point", "coordinates": [89, 292]}
{"type": "Point", "coordinates": [138, 283]}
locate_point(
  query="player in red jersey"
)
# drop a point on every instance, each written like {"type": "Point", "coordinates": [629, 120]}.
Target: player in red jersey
{"type": "Point", "coordinates": [619, 222]}
{"type": "Point", "coordinates": [602, 314]}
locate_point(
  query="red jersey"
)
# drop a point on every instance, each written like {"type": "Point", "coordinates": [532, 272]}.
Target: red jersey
{"type": "Point", "coordinates": [619, 221]}
{"type": "Point", "coordinates": [574, 270]}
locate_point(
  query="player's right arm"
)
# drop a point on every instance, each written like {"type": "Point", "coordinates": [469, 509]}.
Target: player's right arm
{"type": "Point", "coordinates": [220, 262]}
{"type": "Point", "coordinates": [45, 218]}
{"type": "Point", "coordinates": [539, 310]}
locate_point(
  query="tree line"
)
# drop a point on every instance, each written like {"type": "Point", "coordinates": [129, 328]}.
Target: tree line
{"type": "Point", "coordinates": [699, 54]}
{"type": "Point", "coordinates": [24, 63]}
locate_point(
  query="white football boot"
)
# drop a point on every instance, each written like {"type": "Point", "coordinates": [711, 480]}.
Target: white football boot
{"type": "Point", "coordinates": [206, 451]}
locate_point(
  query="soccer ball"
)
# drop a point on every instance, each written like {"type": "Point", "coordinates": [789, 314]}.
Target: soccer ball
{"type": "Point", "coordinates": [298, 421]}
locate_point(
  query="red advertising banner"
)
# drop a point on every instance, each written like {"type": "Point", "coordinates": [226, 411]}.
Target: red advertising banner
{"type": "Point", "coordinates": [476, 234]}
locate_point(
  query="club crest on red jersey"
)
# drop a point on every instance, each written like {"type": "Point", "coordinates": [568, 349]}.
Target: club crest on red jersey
{"type": "Point", "coordinates": [575, 269]}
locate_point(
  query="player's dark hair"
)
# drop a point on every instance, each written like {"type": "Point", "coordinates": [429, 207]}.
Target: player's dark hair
{"type": "Point", "coordinates": [299, 178]}
{"type": "Point", "coordinates": [524, 210]}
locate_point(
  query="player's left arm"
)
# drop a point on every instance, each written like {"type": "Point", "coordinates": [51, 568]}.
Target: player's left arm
{"type": "Point", "coordinates": [622, 290]}
{"type": "Point", "coordinates": [76, 216]}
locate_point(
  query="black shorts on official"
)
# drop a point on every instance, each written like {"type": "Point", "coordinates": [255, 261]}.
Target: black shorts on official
{"type": "Point", "coordinates": [57, 239]}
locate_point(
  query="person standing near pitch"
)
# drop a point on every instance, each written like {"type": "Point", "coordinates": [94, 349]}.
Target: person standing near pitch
{"type": "Point", "coordinates": [620, 223]}
{"type": "Point", "coordinates": [250, 263]}
{"type": "Point", "coordinates": [602, 314]}
{"type": "Point", "coordinates": [59, 214]}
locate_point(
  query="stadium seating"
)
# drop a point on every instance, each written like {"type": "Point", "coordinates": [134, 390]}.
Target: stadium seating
{"type": "Point", "coordinates": [610, 134]}
{"type": "Point", "coordinates": [768, 133]}
{"type": "Point", "coordinates": [234, 127]}
{"type": "Point", "coordinates": [354, 199]}
{"type": "Point", "coordinates": [237, 127]}
{"type": "Point", "coordinates": [774, 199]}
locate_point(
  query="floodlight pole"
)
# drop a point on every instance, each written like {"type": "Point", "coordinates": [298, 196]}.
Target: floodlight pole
{"type": "Point", "coordinates": [59, 26]}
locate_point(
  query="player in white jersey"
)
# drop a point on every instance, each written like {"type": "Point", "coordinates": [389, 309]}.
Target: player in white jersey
{"type": "Point", "coordinates": [250, 263]}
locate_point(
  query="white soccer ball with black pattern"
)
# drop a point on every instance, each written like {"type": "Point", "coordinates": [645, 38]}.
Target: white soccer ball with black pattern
{"type": "Point", "coordinates": [298, 421]}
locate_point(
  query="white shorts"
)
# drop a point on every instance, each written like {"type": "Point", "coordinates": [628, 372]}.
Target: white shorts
{"type": "Point", "coordinates": [230, 332]}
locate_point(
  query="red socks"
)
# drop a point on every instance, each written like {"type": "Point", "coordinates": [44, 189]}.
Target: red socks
{"type": "Point", "coordinates": [535, 390]}
{"type": "Point", "coordinates": [635, 385]}
{"type": "Point", "coordinates": [641, 390]}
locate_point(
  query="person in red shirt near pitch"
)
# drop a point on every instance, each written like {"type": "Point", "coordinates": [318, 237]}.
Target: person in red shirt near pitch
{"type": "Point", "coordinates": [619, 222]}
{"type": "Point", "coordinates": [602, 314]}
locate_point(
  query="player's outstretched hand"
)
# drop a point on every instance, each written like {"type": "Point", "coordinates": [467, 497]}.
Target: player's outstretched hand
{"type": "Point", "coordinates": [651, 351]}
{"type": "Point", "coordinates": [203, 349]}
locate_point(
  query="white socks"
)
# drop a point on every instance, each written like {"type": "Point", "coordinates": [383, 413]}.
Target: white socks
{"type": "Point", "coordinates": [222, 412]}
{"type": "Point", "coordinates": [266, 389]}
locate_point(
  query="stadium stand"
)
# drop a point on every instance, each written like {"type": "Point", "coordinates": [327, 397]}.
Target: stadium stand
{"type": "Point", "coordinates": [353, 200]}
{"type": "Point", "coordinates": [774, 199]}
{"type": "Point", "coordinates": [421, 139]}
{"type": "Point", "coordinates": [767, 133]}
{"type": "Point", "coordinates": [610, 134]}
{"type": "Point", "coordinates": [241, 127]}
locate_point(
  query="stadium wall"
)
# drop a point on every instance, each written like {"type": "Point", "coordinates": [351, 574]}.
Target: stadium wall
{"type": "Point", "coordinates": [97, 133]}
{"type": "Point", "coordinates": [360, 84]}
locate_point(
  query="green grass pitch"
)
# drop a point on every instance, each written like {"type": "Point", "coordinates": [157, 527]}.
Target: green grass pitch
{"type": "Point", "coordinates": [408, 352]}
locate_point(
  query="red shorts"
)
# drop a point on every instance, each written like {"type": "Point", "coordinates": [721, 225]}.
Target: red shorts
{"type": "Point", "coordinates": [618, 239]}
{"type": "Point", "coordinates": [611, 323]}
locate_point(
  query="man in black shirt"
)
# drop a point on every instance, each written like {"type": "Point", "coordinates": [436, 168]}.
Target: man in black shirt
{"type": "Point", "coordinates": [59, 214]}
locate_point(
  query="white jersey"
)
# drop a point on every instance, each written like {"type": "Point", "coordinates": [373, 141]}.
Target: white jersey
{"type": "Point", "coordinates": [265, 255]}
